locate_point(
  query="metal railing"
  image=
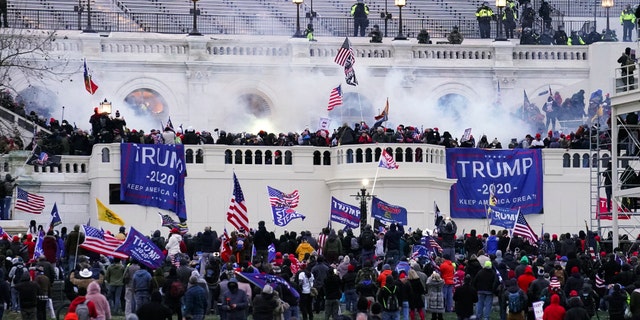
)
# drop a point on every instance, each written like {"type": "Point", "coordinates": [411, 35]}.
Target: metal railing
{"type": "Point", "coordinates": [227, 24]}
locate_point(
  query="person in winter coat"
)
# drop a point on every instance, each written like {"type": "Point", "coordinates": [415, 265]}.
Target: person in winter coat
{"type": "Point", "coordinates": [154, 309]}
{"type": "Point", "coordinates": [617, 302]}
{"type": "Point", "coordinates": [50, 247]}
{"type": "Point", "coordinates": [173, 243]}
{"type": "Point", "coordinates": [447, 270]}
{"type": "Point", "coordinates": [574, 282]}
{"type": "Point", "coordinates": [575, 308]}
{"type": "Point", "coordinates": [332, 248]}
{"type": "Point", "coordinates": [485, 282]}
{"type": "Point", "coordinates": [512, 288]}
{"type": "Point", "coordinates": [416, 303]}
{"type": "Point", "coordinates": [99, 300]}
{"type": "Point", "coordinates": [464, 297]}
{"type": "Point", "coordinates": [114, 278]}
{"type": "Point", "coordinates": [435, 299]}
{"type": "Point", "coordinates": [303, 248]}
{"type": "Point", "coordinates": [81, 298]}
{"type": "Point", "coordinates": [264, 304]}
{"type": "Point", "coordinates": [195, 301]}
{"type": "Point", "coordinates": [554, 311]}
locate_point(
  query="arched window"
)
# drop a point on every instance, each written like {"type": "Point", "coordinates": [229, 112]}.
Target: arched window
{"type": "Point", "coordinates": [238, 158]}
{"type": "Point", "coordinates": [106, 157]}
{"type": "Point", "coordinates": [368, 155]}
{"type": "Point", "coordinates": [200, 156]}
{"type": "Point", "coordinates": [248, 157]}
{"type": "Point", "coordinates": [359, 157]}
{"type": "Point", "coordinates": [188, 156]}
{"type": "Point", "coordinates": [258, 157]}
{"type": "Point", "coordinates": [566, 160]}
{"type": "Point", "coordinates": [288, 157]}
{"type": "Point", "coordinates": [227, 156]}
{"type": "Point", "coordinates": [408, 153]}
{"type": "Point", "coordinates": [326, 158]}
{"type": "Point", "coordinates": [316, 158]}
{"type": "Point", "coordinates": [576, 161]}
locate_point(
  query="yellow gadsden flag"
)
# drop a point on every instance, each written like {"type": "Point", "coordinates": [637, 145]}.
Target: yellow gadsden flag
{"type": "Point", "coordinates": [105, 214]}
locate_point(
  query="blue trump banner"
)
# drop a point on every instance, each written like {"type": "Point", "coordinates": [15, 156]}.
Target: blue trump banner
{"type": "Point", "coordinates": [138, 246]}
{"type": "Point", "coordinates": [271, 249]}
{"type": "Point", "coordinates": [503, 217]}
{"type": "Point", "coordinates": [515, 177]}
{"type": "Point", "coordinates": [153, 175]}
{"type": "Point", "coordinates": [345, 213]}
{"type": "Point", "coordinates": [261, 279]}
{"type": "Point", "coordinates": [387, 212]}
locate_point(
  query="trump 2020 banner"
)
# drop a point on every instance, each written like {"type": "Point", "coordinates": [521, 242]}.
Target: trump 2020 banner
{"type": "Point", "coordinates": [514, 176]}
{"type": "Point", "coordinates": [345, 213]}
{"type": "Point", "coordinates": [153, 175]}
{"type": "Point", "coordinates": [388, 213]}
{"type": "Point", "coordinates": [138, 246]}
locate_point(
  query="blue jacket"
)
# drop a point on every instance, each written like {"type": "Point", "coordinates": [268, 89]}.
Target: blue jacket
{"type": "Point", "coordinates": [195, 301]}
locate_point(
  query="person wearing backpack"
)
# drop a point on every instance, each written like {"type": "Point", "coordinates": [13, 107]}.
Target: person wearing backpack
{"type": "Point", "coordinates": [28, 292]}
{"type": "Point", "coordinates": [515, 300]}
{"type": "Point", "coordinates": [367, 242]}
{"type": "Point", "coordinates": [83, 308]}
{"type": "Point", "coordinates": [389, 297]}
{"type": "Point", "coordinates": [173, 292]}
{"type": "Point", "coordinates": [15, 274]}
{"type": "Point", "coordinates": [141, 283]}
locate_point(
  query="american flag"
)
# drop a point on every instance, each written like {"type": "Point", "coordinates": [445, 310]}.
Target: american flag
{"type": "Point", "coordinates": [168, 222]}
{"type": "Point", "coordinates": [522, 228]}
{"type": "Point", "coordinates": [278, 198]}
{"type": "Point", "coordinates": [98, 241]}
{"type": "Point", "coordinates": [237, 213]}
{"type": "Point", "coordinates": [29, 202]}
{"type": "Point", "coordinates": [335, 98]}
{"type": "Point", "coordinates": [345, 53]}
{"type": "Point", "coordinates": [437, 214]}
{"type": "Point", "coordinates": [432, 244]}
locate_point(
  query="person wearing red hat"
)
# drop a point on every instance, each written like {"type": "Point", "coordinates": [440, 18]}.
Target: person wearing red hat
{"type": "Point", "coordinates": [173, 243]}
{"type": "Point", "coordinates": [575, 307]}
{"type": "Point", "coordinates": [537, 143]}
{"type": "Point", "coordinates": [574, 282]}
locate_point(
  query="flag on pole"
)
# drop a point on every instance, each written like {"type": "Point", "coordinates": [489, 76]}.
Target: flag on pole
{"type": "Point", "coordinates": [347, 59]}
{"type": "Point", "coordinates": [385, 112]}
{"type": "Point", "coordinates": [344, 53]}
{"type": "Point", "coordinates": [29, 202]}
{"type": "Point", "coordinates": [168, 222]}
{"type": "Point", "coordinates": [107, 215]}
{"type": "Point", "coordinates": [387, 161]}
{"type": "Point", "coordinates": [170, 125]}
{"type": "Point", "coordinates": [98, 241]}
{"type": "Point", "coordinates": [55, 216]}
{"type": "Point", "coordinates": [282, 205]}
{"type": "Point", "coordinates": [89, 85]}
{"type": "Point", "coordinates": [436, 213]}
{"type": "Point", "coordinates": [237, 213]}
{"type": "Point", "coordinates": [523, 229]}
{"type": "Point", "coordinates": [335, 98]}
{"type": "Point", "coordinates": [526, 98]}
{"type": "Point", "coordinates": [38, 251]}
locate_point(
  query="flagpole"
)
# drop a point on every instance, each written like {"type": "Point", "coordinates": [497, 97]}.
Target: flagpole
{"type": "Point", "coordinates": [512, 229]}
{"type": "Point", "coordinates": [75, 257]}
{"type": "Point", "coordinates": [360, 104]}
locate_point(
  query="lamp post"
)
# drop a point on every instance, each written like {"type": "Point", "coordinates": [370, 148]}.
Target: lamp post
{"type": "Point", "coordinates": [311, 14]}
{"type": "Point", "coordinates": [79, 9]}
{"type": "Point", "coordinates": [105, 107]}
{"type": "Point", "coordinates": [195, 12]}
{"type": "Point", "coordinates": [607, 34]}
{"type": "Point", "coordinates": [500, 4]}
{"type": "Point", "coordinates": [400, 4]}
{"type": "Point", "coordinates": [386, 16]}
{"type": "Point", "coordinates": [298, 34]}
{"type": "Point", "coordinates": [363, 196]}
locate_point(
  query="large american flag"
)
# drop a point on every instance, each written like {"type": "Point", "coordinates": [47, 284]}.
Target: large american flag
{"type": "Point", "coordinates": [335, 98]}
{"type": "Point", "coordinates": [522, 228]}
{"type": "Point", "coordinates": [29, 202]}
{"type": "Point", "coordinates": [278, 198]}
{"type": "Point", "coordinates": [101, 242]}
{"type": "Point", "coordinates": [237, 213]}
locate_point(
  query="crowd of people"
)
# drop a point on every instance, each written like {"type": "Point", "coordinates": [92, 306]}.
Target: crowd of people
{"type": "Point", "coordinates": [545, 123]}
{"type": "Point", "coordinates": [377, 274]}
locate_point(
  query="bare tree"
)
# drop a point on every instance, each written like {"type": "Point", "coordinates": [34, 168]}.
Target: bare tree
{"type": "Point", "coordinates": [32, 55]}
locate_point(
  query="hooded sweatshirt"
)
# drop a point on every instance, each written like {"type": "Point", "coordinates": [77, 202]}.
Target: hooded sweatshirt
{"type": "Point", "coordinates": [554, 311]}
{"type": "Point", "coordinates": [102, 305]}
{"type": "Point", "coordinates": [526, 278]}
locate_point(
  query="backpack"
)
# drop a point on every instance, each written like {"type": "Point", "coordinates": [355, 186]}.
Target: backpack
{"type": "Point", "coordinates": [18, 274]}
{"type": "Point", "coordinates": [177, 289]}
{"type": "Point", "coordinates": [391, 303]}
{"type": "Point", "coordinates": [631, 65]}
{"type": "Point", "coordinates": [515, 302]}
{"type": "Point", "coordinates": [354, 244]}
{"type": "Point", "coordinates": [365, 274]}
{"type": "Point", "coordinates": [368, 240]}
{"type": "Point", "coordinates": [82, 310]}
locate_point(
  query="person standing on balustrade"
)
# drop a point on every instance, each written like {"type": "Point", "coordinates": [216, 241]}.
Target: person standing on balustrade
{"type": "Point", "coordinates": [360, 13]}
{"type": "Point", "coordinates": [484, 14]}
